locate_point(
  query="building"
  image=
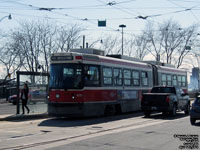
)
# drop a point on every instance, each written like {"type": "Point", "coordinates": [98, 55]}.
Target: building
{"type": "Point", "coordinates": [194, 79]}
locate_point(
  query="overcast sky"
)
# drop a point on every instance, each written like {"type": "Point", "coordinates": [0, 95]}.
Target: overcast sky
{"type": "Point", "coordinates": [88, 12]}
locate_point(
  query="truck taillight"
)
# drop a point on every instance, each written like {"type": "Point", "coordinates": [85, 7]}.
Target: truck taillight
{"type": "Point", "coordinates": [79, 57]}
{"type": "Point", "coordinates": [167, 99]}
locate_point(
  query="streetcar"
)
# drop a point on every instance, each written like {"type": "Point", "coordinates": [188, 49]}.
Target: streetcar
{"type": "Point", "coordinates": [84, 82]}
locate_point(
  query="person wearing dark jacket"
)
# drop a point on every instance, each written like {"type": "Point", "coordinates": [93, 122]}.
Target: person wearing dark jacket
{"type": "Point", "coordinates": [24, 98]}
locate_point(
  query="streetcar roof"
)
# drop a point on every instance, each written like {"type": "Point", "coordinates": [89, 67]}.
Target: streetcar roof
{"type": "Point", "coordinates": [74, 57]}
{"type": "Point", "coordinates": [104, 59]}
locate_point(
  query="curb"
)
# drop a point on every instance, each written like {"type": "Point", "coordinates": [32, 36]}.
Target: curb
{"type": "Point", "coordinates": [24, 117]}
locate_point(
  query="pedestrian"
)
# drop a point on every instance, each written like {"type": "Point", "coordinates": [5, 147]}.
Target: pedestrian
{"type": "Point", "coordinates": [24, 97]}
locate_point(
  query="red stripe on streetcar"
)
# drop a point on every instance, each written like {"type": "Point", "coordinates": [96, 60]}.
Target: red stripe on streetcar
{"type": "Point", "coordinates": [83, 96]}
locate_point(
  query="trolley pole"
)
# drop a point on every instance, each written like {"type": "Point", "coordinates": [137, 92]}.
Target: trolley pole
{"type": "Point", "coordinates": [122, 26]}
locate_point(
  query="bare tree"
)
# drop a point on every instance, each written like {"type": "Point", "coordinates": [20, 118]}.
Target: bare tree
{"type": "Point", "coordinates": [68, 37]}
{"type": "Point", "coordinates": [170, 41]}
{"type": "Point", "coordinates": [47, 43]}
{"type": "Point", "coordinates": [137, 46]}
{"type": "Point", "coordinates": [10, 57]}
{"type": "Point", "coordinates": [108, 43]}
{"type": "Point", "coordinates": [189, 35]}
{"type": "Point", "coordinates": [37, 40]}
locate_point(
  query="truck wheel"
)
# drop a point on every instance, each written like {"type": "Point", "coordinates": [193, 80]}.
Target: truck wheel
{"type": "Point", "coordinates": [147, 113]}
{"type": "Point", "coordinates": [173, 111]}
{"type": "Point", "coordinates": [192, 121]}
{"type": "Point", "coordinates": [187, 109]}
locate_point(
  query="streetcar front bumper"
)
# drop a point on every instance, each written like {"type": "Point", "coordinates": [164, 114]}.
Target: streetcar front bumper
{"type": "Point", "coordinates": [75, 109]}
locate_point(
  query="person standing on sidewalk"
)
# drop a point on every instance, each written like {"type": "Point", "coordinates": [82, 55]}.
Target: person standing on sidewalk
{"type": "Point", "coordinates": [24, 97]}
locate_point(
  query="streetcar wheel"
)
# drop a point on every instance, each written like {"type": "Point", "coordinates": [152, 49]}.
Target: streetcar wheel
{"type": "Point", "coordinates": [109, 110]}
{"type": "Point", "coordinates": [118, 109]}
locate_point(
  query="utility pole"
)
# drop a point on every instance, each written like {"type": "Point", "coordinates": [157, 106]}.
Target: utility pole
{"type": "Point", "coordinates": [83, 41]}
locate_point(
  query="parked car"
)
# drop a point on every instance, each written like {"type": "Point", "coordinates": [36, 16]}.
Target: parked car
{"type": "Point", "coordinates": [195, 111]}
{"type": "Point", "coordinates": [12, 99]}
{"type": "Point", "coordinates": [166, 99]}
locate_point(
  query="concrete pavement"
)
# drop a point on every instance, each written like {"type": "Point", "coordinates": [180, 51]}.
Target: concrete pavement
{"type": "Point", "coordinates": [12, 117]}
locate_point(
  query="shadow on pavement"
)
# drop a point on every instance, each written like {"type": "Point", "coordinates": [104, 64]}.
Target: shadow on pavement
{"type": "Point", "coordinates": [73, 122]}
{"type": "Point", "coordinates": [22, 118]}
{"type": "Point", "coordinates": [167, 116]}
{"type": "Point", "coordinates": [197, 124]}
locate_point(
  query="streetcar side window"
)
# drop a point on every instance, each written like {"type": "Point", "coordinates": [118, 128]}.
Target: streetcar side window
{"type": "Point", "coordinates": [144, 76]}
{"type": "Point", "coordinates": [107, 76]}
{"type": "Point", "coordinates": [179, 80]}
{"type": "Point", "coordinates": [117, 76]}
{"type": "Point", "coordinates": [183, 80]}
{"type": "Point", "coordinates": [127, 77]}
{"type": "Point", "coordinates": [164, 79]}
{"type": "Point", "coordinates": [174, 80]}
{"type": "Point", "coordinates": [92, 76]}
{"type": "Point", "coordinates": [169, 80]}
{"type": "Point", "coordinates": [136, 78]}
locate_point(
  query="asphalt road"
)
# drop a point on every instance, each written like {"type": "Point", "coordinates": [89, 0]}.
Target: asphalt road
{"type": "Point", "coordinates": [124, 132]}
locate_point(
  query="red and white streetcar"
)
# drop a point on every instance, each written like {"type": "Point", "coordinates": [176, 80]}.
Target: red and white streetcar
{"type": "Point", "coordinates": [84, 82]}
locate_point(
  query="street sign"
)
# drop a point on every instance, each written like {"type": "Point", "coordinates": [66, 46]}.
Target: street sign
{"type": "Point", "coordinates": [101, 23]}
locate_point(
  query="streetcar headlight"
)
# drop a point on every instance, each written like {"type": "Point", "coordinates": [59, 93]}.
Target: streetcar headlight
{"type": "Point", "coordinates": [57, 95]}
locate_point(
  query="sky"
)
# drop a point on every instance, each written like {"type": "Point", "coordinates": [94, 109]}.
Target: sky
{"type": "Point", "coordinates": [131, 13]}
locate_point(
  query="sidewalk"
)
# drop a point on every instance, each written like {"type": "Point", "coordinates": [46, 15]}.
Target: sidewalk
{"type": "Point", "coordinates": [10, 116]}
{"type": "Point", "coordinates": [13, 117]}
{"type": "Point", "coordinates": [3, 100]}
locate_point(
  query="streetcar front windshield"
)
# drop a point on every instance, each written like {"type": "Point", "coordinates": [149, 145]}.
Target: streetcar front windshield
{"type": "Point", "coordinates": [66, 76]}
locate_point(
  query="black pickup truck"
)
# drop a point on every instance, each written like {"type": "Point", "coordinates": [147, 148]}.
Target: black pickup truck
{"type": "Point", "coordinates": [166, 99]}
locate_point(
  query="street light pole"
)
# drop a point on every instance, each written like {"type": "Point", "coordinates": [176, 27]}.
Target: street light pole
{"type": "Point", "coordinates": [9, 17]}
{"type": "Point", "coordinates": [122, 26]}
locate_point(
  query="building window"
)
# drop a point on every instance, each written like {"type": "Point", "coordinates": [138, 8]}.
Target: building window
{"type": "Point", "coordinates": [127, 77]}
{"type": "Point", "coordinates": [144, 76]}
{"type": "Point", "coordinates": [136, 78]}
{"type": "Point", "coordinates": [117, 76]}
{"type": "Point", "coordinates": [107, 76]}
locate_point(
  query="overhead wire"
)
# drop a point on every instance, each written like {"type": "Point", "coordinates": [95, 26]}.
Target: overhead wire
{"type": "Point", "coordinates": [134, 14]}
{"type": "Point", "coordinates": [190, 9]}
